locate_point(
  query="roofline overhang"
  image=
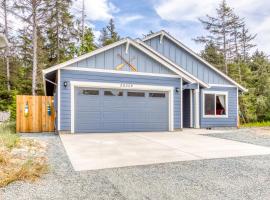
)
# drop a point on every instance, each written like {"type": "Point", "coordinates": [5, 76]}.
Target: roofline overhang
{"type": "Point", "coordinates": [170, 65]}
{"type": "Point", "coordinates": [164, 33]}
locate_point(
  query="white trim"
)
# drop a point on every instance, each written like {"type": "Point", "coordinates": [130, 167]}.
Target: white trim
{"type": "Point", "coordinates": [127, 47]}
{"type": "Point", "coordinates": [221, 85]}
{"type": "Point", "coordinates": [195, 55]}
{"type": "Point", "coordinates": [58, 100]}
{"type": "Point", "coordinates": [237, 107]}
{"type": "Point", "coordinates": [191, 107]}
{"type": "Point", "coordinates": [161, 38]}
{"type": "Point", "coordinates": [197, 108]}
{"type": "Point", "coordinates": [181, 111]}
{"type": "Point", "coordinates": [44, 84]}
{"type": "Point", "coordinates": [90, 69]}
{"type": "Point", "coordinates": [173, 64]}
{"type": "Point", "coordinates": [170, 90]}
{"type": "Point", "coordinates": [215, 93]}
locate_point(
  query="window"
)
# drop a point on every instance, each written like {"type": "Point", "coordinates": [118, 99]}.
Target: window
{"type": "Point", "coordinates": [136, 94]}
{"type": "Point", "coordinates": [215, 104]}
{"type": "Point", "coordinates": [113, 93]}
{"type": "Point", "coordinates": [90, 92]}
{"type": "Point", "coordinates": [160, 95]}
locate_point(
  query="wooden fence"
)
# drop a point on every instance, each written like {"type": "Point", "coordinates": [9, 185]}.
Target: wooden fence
{"type": "Point", "coordinates": [35, 114]}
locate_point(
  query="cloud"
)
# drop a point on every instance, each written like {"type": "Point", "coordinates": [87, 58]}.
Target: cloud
{"type": "Point", "coordinates": [256, 14]}
{"type": "Point", "coordinates": [100, 10]}
{"type": "Point", "coordinates": [126, 19]}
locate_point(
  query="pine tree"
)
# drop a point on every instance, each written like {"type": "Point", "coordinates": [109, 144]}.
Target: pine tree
{"type": "Point", "coordinates": [220, 29]}
{"type": "Point", "coordinates": [109, 34]}
{"type": "Point", "coordinates": [246, 42]}
{"type": "Point", "coordinates": [4, 5]}
{"type": "Point", "coordinates": [87, 45]}
{"type": "Point", "coordinates": [32, 12]}
{"type": "Point", "coordinates": [60, 32]}
{"type": "Point", "coordinates": [213, 56]}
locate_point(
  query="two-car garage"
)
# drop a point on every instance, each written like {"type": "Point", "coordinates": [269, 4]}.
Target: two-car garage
{"type": "Point", "coordinates": [120, 110]}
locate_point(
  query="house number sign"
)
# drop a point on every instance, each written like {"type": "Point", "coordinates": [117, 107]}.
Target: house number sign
{"type": "Point", "coordinates": [126, 85]}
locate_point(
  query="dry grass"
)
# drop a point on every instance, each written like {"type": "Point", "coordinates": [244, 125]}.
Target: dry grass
{"type": "Point", "coordinates": [20, 159]}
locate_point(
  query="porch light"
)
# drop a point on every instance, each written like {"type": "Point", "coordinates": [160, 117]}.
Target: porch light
{"type": "Point", "coordinates": [177, 90]}
{"type": "Point", "coordinates": [65, 84]}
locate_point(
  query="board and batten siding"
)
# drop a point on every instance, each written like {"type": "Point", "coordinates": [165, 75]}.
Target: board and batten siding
{"type": "Point", "coordinates": [185, 60]}
{"type": "Point", "coordinates": [231, 120]}
{"type": "Point", "coordinates": [71, 75]}
{"type": "Point", "coordinates": [108, 60]}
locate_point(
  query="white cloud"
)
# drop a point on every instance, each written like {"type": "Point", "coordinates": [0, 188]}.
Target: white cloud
{"type": "Point", "coordinates": [255, 12]}
{"type": "Point", "coordinates": [124, 20]}
{"type": "Point", "coordinates": [100, 10]}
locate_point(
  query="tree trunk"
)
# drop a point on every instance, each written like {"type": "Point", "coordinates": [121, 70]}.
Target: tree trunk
{"type": "Point", "coordinates": [34, 41]}
{"type": "Point", "coordinates": [7, 49]}
{"type": "Point", "coordinates": [57, 33]}
{"type": "Point", "coordinates": [83, 16]}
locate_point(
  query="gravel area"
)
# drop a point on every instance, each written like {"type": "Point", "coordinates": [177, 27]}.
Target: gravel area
{"type": "Point", "coordinates": [230, 178]}
{"type": "Point", "coordinates": [257, 136]}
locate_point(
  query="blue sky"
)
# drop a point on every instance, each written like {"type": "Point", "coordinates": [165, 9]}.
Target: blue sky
{"type": "Point", "coordinates": [179, 17]}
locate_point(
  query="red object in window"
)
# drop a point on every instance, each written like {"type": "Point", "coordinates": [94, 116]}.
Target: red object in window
{"type": "Point", "coordinates": [220, 111]}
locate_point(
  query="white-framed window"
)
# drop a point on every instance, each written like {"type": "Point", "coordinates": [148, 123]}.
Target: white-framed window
{"type": "Point", "coordinates": [215, 104]}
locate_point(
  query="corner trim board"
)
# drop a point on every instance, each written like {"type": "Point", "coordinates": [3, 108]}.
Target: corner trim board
{"type": "Point", "coordinates": [168, 89]}
{"type": "Point", "coordinates": [58, 100]}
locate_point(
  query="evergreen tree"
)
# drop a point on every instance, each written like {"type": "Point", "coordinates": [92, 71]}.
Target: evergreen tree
{"type": "Point", "coordinates": [213, 56]}
{"type": "Point", "coordinates": [246, 42]}
{"type": "Point", "coordinates": [32, 12]}
{"type": "Point", "coordinates": [60, 32]}
{"type": "Point", "coordinates": [87, 45]}
{"type": "Point", "coordinates": [220, 29]}
{"type": "Point", "coordinates": [109, 34]}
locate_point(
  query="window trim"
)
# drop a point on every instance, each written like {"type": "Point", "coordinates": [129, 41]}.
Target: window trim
{"type": "Point", "coordinates": [215, 93]}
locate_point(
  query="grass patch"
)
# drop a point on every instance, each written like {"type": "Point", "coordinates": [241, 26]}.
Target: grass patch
{"type": "Point", "coordinates": [256, 124]}
{"type": "Point", "coordinates": [20, 159]}
{"type": "Point", "coordinates": [8, 137]}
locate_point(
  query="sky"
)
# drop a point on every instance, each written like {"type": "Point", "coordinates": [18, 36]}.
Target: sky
{"type": "Point", "coordinates": [134, 18]}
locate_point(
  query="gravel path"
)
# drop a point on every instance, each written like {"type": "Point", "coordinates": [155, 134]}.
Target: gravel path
{"type": "Point", "coordinates": [230, 178]}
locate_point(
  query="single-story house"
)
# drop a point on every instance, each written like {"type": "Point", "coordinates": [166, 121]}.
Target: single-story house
{"type": "Point", "coordinates": [150, 84]}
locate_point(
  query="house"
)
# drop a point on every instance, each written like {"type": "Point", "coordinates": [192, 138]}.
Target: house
{"type": "Point", "coordinates": [153, 84]}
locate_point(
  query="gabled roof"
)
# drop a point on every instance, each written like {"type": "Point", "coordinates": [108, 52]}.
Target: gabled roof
{"type": "Point", "coordinates": [163, 33]}
{"type": "Point", "coordinates": [184, 74]}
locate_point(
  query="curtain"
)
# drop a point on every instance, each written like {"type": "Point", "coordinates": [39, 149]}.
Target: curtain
{"type": "Point", "coordinates": [222, 100]}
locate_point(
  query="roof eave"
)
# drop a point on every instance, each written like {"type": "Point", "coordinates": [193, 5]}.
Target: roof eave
{"type": "Point", "coordinates": [195, 55]}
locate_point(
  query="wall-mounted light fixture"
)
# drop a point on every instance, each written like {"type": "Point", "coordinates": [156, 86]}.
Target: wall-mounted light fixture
{"type": "Point", "coordinates": [177, 90]}
{"type": "Point", "coordinates": [65, 84]}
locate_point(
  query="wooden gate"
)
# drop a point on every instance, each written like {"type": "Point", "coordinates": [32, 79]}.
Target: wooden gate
{"type": "Point", "coordinates": [35, 114]}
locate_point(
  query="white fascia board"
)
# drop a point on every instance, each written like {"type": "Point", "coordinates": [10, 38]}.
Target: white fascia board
{"type": "Point", "coordinates": [91, 69]}
{"type": "Point", "coordinates": [173, 64]}
{"type": "Point", "coordinates": [87, 55]}
{"type": "Point", "coordinates": [195, 55]}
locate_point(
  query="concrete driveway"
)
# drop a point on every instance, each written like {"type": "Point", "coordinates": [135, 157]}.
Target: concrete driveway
{"type": "Point", "coordinates": [110, 150]}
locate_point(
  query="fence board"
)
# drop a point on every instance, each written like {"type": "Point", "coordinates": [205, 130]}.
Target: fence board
{"type": "Point", "coordinates": [38, 118]}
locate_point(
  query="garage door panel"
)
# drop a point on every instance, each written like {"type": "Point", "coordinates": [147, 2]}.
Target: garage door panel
{"type": "Point", "coordinates": [112, 113]}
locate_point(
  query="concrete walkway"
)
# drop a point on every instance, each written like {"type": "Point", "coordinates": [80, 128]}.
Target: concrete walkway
{"type": "Point", "coordinates": [99, 151]}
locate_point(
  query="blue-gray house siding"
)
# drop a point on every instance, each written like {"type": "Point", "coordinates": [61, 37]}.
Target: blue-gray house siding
{"type": "Point", "coordinates": [108, 60]}
{"type": "Point", "coordinates": [185, 60]}
{"type": "Point", "coordinates": [231, 120]}
{"type": "Point", "coordinates": [71, 75]}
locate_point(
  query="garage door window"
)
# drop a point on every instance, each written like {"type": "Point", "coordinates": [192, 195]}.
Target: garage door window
{"type": "Point", "coordinates": [113, 93]}
{"type": "Point", "coordinates": [136, 94]}
{"type": "Point", "coordinates": [90, 92]}
{"type": "Point", "coordinates": [158, 95]}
